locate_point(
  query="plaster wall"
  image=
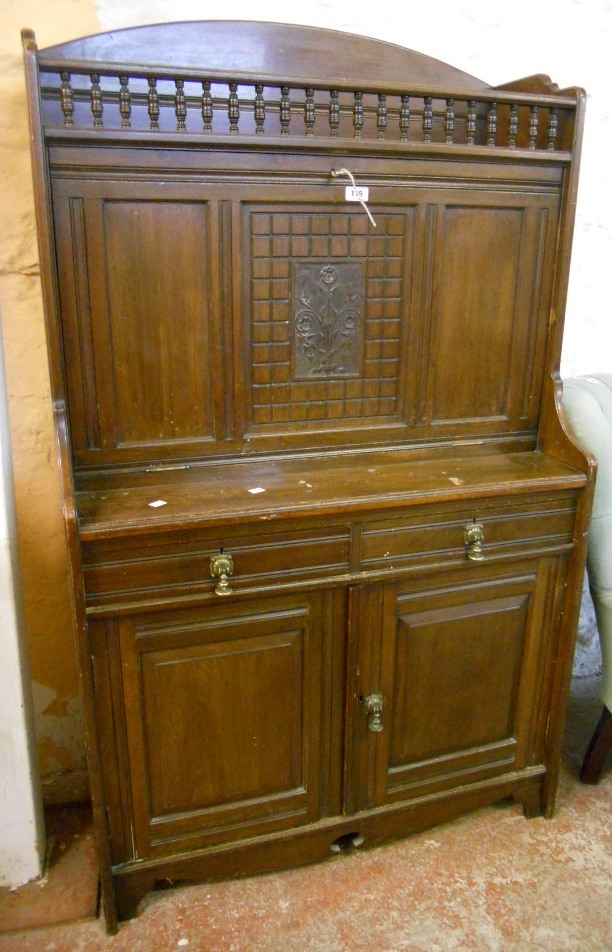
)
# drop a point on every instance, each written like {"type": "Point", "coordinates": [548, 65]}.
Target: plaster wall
{"type": "Point", "coordinates": [22, 835]}
{"type": "Point", "coordinates": [498, 43]}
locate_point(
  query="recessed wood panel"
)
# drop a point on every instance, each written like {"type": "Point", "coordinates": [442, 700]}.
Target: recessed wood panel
{"type": "Point", "coordinates": [459, 664]}
{"type": "Point", "coordinates": [223, 706]}
{"type": "Point", "coordinates": [457, 674]}
{"type": "Point", "coordinates": [477, 280]}
{"type": "Point", "coordinates": [226, 744]}
{"type": "Point", "coordinates": [158, 303]}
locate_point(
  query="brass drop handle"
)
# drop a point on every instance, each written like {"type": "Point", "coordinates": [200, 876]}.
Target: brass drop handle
{"type": "Point", "coordinates": [373, 707]}
{"type": "Point", "coordinates": [221, 567]}
{"type": "Point", "coordinates": [473, 537]}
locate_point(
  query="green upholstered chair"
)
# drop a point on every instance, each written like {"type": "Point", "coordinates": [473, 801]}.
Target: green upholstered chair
{"type": "Point", "coordinates": [588, 405]}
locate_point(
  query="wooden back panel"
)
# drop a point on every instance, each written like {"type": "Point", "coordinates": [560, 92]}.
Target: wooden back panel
{"type": "Point", "coordinates": [219, 296]}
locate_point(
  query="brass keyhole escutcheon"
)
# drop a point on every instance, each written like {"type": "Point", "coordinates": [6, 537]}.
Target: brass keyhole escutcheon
{"type": "Point", "coordinates": [221, 567]}
{"type": "Point", "coordinates": [473, 537]}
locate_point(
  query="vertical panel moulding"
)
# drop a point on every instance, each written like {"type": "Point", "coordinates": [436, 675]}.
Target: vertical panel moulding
{"type": "Point", "coordinates": [518, 355]}
{"type": "Point", "coordinates": [378, 743]}
{"type": "Point", "coordinates": [405, 400]}
{"type": "Point", "coordinates": [125, 634]}
{"type": "Point", "coordinates": [553, 705]}
{"type": "Point", "coordinates": [83, 316]}
{"type": "Point", "coordinates": [365, 627]}
{"type": "Point", "coordinates": [104, 640]}
{"type": "Point", "coordinates": [225, 223]}
{"type": "Point", "coordinates": [431, 222]}
{"type": "Point", "coordinates": [94, 756]}
{"type": "Point", "coordinates": [332, 700]}
{"type": "Point", "coordinates": [327, 695]}
{"type": "Point", "coordinates": [317, 629]}
{"type": "Point", "coordinates": [96, 101]}
{"type": "Point", "coordinates": [356, 630]}
{"type": "Point", "coordinates": [242, 257]}
{"type": "Point", "coordinates": [530, 404]}
{"type": "Point", "coordinates": [95, 228]}
{"type": "Point", "coordinates": [536, 652]}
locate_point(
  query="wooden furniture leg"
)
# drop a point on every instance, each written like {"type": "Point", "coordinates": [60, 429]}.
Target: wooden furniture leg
{"type": "Point", "coordinates": [598, 749]}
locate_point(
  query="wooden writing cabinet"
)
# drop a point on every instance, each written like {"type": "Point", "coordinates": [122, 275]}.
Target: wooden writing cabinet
{"type": "Point", "coordinates": [325, 522]}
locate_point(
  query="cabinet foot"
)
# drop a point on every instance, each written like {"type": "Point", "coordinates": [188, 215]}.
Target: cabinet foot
{"type": "Point", "coordinates": [530, 799]}
{"type": "Point", "coordinates": [598, 749]}
{"type": "Point", "coordinates": [131, 891]}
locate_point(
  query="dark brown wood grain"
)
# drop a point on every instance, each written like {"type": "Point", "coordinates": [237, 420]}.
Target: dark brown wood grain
{"type": "Point", "coordinates": [246, 368]}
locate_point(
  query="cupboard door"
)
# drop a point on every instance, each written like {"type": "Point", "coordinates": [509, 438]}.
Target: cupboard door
{"type": "Point", "coordinates": [227, 711]}
{"type": "Point", "coordinates": [460, 669]}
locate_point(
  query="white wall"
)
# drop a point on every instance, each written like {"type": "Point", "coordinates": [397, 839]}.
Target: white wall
{"type": "Point", "coordinates": [22, 838]}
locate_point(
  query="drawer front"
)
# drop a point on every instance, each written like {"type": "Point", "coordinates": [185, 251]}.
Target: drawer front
{"type": "Point", "coordinates": [161, 568]}
{"type": "Point", "coordinates": [480, 532]}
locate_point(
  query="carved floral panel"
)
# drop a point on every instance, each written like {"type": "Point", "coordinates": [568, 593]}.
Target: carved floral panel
{"type": "Point", "coordinates": [328, 311]}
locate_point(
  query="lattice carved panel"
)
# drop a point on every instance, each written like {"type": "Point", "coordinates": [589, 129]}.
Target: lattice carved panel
{"type": "Point", "coordinates": [326, 302]}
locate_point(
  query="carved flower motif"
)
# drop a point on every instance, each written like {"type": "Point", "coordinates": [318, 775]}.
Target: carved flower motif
{"type": "Point", "coordinates": [329, 275]}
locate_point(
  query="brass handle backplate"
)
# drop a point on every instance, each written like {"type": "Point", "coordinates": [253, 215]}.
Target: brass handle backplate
{"type": "Point", "coordinates": [473, 537]}
{"type": "Point", "coordinates": [221, 567]}
{"type": "Point", "coordinates": [373, 707]}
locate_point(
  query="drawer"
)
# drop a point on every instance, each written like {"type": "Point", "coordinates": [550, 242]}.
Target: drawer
{"type": "Point", "coordinates": [167, 566]}
{"type": "Point", "coordinates": [430, 536]}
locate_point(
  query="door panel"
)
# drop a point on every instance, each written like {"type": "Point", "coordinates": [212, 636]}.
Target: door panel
{"type": "Point", "coordinates": [225, 711]}
{"type": "Point", "coordinates": [444, 697]}
{"type": "Point", "coordinates": [238, 691]}
{"type": "Point", "coordinates": [461, 671]}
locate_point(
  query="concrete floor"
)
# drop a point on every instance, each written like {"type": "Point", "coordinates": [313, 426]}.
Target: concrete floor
{"type": "Point", "coordinates": [488, 882]}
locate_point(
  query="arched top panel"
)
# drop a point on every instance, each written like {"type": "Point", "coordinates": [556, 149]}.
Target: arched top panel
{"type": "Point", "coordinates": [279, 51]}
